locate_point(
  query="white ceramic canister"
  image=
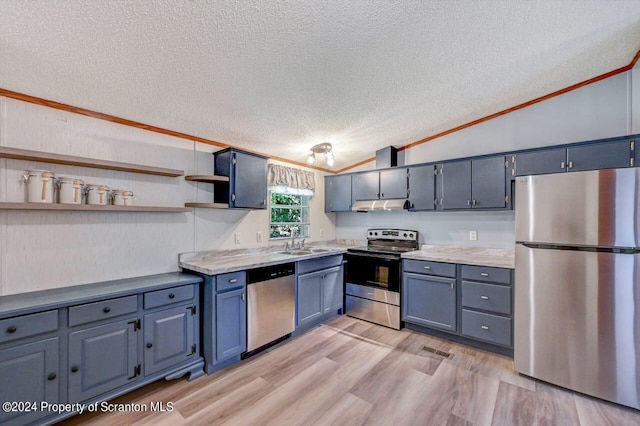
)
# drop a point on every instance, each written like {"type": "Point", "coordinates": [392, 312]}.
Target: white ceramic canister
{"type": "Point", "coordinates": [121, 197]}
{"type": "Point", "coordinates": [40, 185]}
{"type": "Point", "coordinates": [70, 190]}
{"type": "Point", "coordinates": [97, 195]}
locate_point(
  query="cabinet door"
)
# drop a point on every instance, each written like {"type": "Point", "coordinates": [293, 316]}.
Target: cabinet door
{"type": "Point", "coordinates": [366, 186]}
{"type": "Point", "coordinates": [608, 155]}
{"type": "Point", "coordinates": [488, 183]}
{"type": "Point", "coordinates": [429, 301]}
{"type": "Point", "coordinates": [29, 373]}
{"type": "Point", "coordinates": [102, 358]}
{"type": "Point", "coordinates": [231, 323]}
{"type": "Point", "coordinates": [309, 298]}
{"type": "Point", "coordinates": [168, 338]}
{"type": "Point", "coordinates": [337, 193]}
{"type": "Point", "coordinates": [250, 181]}
{"type": "Point", "coordinates": [332, 288]}
{"type": "Point", "coordinates": [393, 184]}
{"type": "Point", "coordinates": [541, 162]}
{"type": "Point", "coordinates": [456, 185]}
{"type": "Point", "coordinates": [422, 187]}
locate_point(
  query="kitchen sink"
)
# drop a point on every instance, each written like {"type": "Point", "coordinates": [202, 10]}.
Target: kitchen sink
{"type": "Point", "coordinates": [296, 252]}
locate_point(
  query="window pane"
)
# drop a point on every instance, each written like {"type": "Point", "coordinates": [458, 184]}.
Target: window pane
{"type": "Point", "coordinates": [284, 231]}
{"type": "Point", "coordinates": [279, 215]}
{"type": "Point", "coordinates": [287, 200]}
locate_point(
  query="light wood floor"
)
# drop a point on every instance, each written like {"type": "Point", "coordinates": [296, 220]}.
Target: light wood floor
{"type": "Point", "coordinates": [350, 372]}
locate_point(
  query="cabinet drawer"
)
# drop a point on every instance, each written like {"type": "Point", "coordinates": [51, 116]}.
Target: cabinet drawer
{"type": "Point", "coordinates": [429, 267]}
{"type": "Point", "coordinates": [104, 309]}
{"type": "Point", "coordinates": [488, 297]}
{"type": "Point", "coordinates": [487, 327]}
{"type": "Point", "coordinates": [486, 273]}
{"type": "Point", "coordinates": [28, 325]}
{"type": "Point", "coordinates": [230, 281]}
{"type": "Point", "coordinates": [311, 265]}
{"type": "Point", "coordinates": [168, 296]}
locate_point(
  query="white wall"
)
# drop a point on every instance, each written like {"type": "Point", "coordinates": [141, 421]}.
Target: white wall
{"type": "Point", "coordinates": [41, 250]}
{"type": "Point", "coordinates": [599, 110]}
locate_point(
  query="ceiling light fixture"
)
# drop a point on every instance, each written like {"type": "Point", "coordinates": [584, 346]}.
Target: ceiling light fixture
{"type": "Point", "coordinates": [322, 148]}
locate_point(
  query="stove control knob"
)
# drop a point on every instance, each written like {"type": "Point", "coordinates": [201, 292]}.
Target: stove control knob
{"type": "Point", "coordinates": [376, 234]}
{"type": "Point", "coordinates": [405, 235]}
{"type": "Point", "coordinates": [411, 235]}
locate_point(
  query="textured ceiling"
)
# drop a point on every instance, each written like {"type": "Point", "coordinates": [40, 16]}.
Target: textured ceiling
{"type": "Point", "coordinates": [278, 77]}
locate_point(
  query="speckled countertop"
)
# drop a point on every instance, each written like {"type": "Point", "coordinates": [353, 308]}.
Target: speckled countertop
{"type": "Point", "coordinates": [216, 262]}
{"type": "Point", "coordinates": [500, 258]}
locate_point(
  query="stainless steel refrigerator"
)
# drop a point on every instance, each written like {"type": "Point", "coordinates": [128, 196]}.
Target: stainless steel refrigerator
{"type": "Point", "coordinates": [577, 297]}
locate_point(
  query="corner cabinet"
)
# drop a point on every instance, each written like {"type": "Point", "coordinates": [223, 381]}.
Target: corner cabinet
{"type": "Point", "coordinates": [247, 173]}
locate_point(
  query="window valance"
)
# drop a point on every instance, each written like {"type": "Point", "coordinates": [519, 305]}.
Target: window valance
{"type": "Point", "coordinates": [289, 180]}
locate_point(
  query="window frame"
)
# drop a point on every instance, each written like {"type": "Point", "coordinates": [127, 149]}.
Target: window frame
{"type": "Point", "coordinates": [304, 205]}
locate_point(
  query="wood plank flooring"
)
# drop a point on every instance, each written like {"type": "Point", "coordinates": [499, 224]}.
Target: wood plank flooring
{"type": "Point", "coordinates": [350, 372]}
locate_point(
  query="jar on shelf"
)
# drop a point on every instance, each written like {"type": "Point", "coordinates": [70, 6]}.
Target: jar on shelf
{"type": "Point", "coordinates": [40, 185]}
{"type": "Point", "coordinates": [69, 190]}
{"type": "Point", "coordinates": [97, 195]}
{"type": "Point", "coordinates": [121, 197]}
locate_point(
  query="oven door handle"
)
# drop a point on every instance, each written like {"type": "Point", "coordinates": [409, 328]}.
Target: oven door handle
{"type": "Point", "coordinates": [388, 258]}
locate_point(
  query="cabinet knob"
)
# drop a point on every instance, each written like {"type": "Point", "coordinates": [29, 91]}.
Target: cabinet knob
{"type": "Point", "coordinates": [149, 345]}
{"type": "Point", "coordinates": [11, 329]}
{"type": "Point", "coordinates": [172, 296]}
{"type": "Point", "coordinates": [74, 369]}
{"type": "Point", "coordinates": [484, 274]}
{"type": "Point", "coordinates": [468, 202]}
{"type": "Point", "coordinates": [484, 327]}
{"type": "Point", "coordinates": [427, 267]}
{"type": "Point", "coordinates": [106, 309]}
{"type": "Point", "coordinates": [473, 203]}
{"type": "Point", "coordinates": [51, 376]}
{"type": "Point", "coordinates": [233, 280]}
{"type": "Point", "coordinates": [243, 296]}
{"type": "Point", "coordinates": [382, 195]}
{"type": "Point", "coordinates": [484, 297]}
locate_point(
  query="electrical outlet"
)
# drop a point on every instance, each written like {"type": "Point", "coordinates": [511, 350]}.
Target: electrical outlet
{"type": "Point", "coordinates": [473, 235]}
{"type": "Point", "coordinates": [259, 237]}
{"type": "Point", "coordinates": [236, 238]}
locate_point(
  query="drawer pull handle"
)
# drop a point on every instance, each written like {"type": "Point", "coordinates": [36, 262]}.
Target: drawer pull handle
{"type": "Point", "coordinates": [12, 329]}
{"type": "Point", "coordinates": [74, 369]}
{"type": "Point", "coordinates": [106, 309]}
{"type": "Point", "coordinates": [484, 274]}
{"type": "Point", "coordinates": [427, 267]}
{"type": "Point", "coordinates": [172, 296]}
{"type": "Point", "coordinates": [235, 280]}
{"type": "Point", "coordinates": [484, 327]}
{"type": "Point", "coordinates": [484, 297]}
{"type": "Point", "coordinates": [51, 376]}
{"type": "Point", "coordinates": [149, 345]}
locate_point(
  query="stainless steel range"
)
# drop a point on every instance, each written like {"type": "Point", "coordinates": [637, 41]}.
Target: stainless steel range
{"type": "Point", "coordinates": [374, 274]}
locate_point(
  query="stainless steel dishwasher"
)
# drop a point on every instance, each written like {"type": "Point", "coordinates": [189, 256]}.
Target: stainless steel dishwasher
{"type": "Point", "coordinates": [270, 304]}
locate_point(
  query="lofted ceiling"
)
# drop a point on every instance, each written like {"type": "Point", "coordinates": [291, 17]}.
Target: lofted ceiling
{"type": "Point", "coordinates": [278, 77]}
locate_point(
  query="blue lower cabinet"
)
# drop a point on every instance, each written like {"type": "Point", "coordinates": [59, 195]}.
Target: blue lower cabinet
{"type": "Point", "coordinates": [332, 289]}
{"type": "Point", "coordinates": [429, 301]}
{"type": "Point", "coordinates": [309, 298]}
{"type": "Point", "coordinates": [231, 323]}
{"type": "Point", "coordinates": [29, 372]}
{"type": "Point", "coordinates": [103, 358]}
{"type": "Point", "coordinates": [169, 338]}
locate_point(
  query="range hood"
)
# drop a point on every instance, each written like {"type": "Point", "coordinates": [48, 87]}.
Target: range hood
{"type": "Point", "coordinates": [380, 205]}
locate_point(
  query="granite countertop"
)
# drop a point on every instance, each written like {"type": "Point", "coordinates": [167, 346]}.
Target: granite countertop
{"type": "Point", "coordinates": [216, 262]}
{"type": "Point", "coordinates": [480, 256]}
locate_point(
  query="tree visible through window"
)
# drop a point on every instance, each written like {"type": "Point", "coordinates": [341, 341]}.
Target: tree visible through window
{"type": "Point", "coordinates": [289, 213]}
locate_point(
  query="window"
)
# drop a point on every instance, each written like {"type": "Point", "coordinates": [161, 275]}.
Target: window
{"type": "Point", "coordinates": [289, 213]}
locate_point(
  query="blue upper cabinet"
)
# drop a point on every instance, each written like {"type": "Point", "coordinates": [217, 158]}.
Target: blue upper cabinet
{"type": "Point", "coordinates": [247, 187]}
{"type": "Point", "coordinates": [488, 183]}
{"type": "Point", "coordinates": [337, 193]}
{"type": "Point", "coordinates": [541, 162]}
{"type": "Point", "coordinates": [381, 185]}
{"type": "Point", "coordinates": [474, 184]}
{"type": "Point", "coordinates": [422, 187]}
{"type": "Point", "coordinates": [366, 186]}
{"type": "Point", "coordinates": [455, 181]}
{"type": "Point", "coordinates": [609, 155]}
{"type": "Point", "coordinates": [394, 184]}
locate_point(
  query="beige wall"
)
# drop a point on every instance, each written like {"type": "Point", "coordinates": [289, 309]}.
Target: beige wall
{"type": "Point", "coordinates": [48, 249]}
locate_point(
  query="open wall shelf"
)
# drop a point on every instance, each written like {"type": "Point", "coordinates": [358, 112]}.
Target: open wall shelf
{"type": "Point", "coordinates": [207, 178]}
{"type": "Point", "coordinates": [48, 157]}
{"type": "Point", "coordinates": [91, 208]}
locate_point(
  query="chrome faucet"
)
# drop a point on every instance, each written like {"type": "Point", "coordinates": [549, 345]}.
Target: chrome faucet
{"type": "Point", "coordinates": [293, 237]}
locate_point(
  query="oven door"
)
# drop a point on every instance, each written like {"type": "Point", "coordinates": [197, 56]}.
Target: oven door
{"type": "Point", "coordinates": [374, 270]}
